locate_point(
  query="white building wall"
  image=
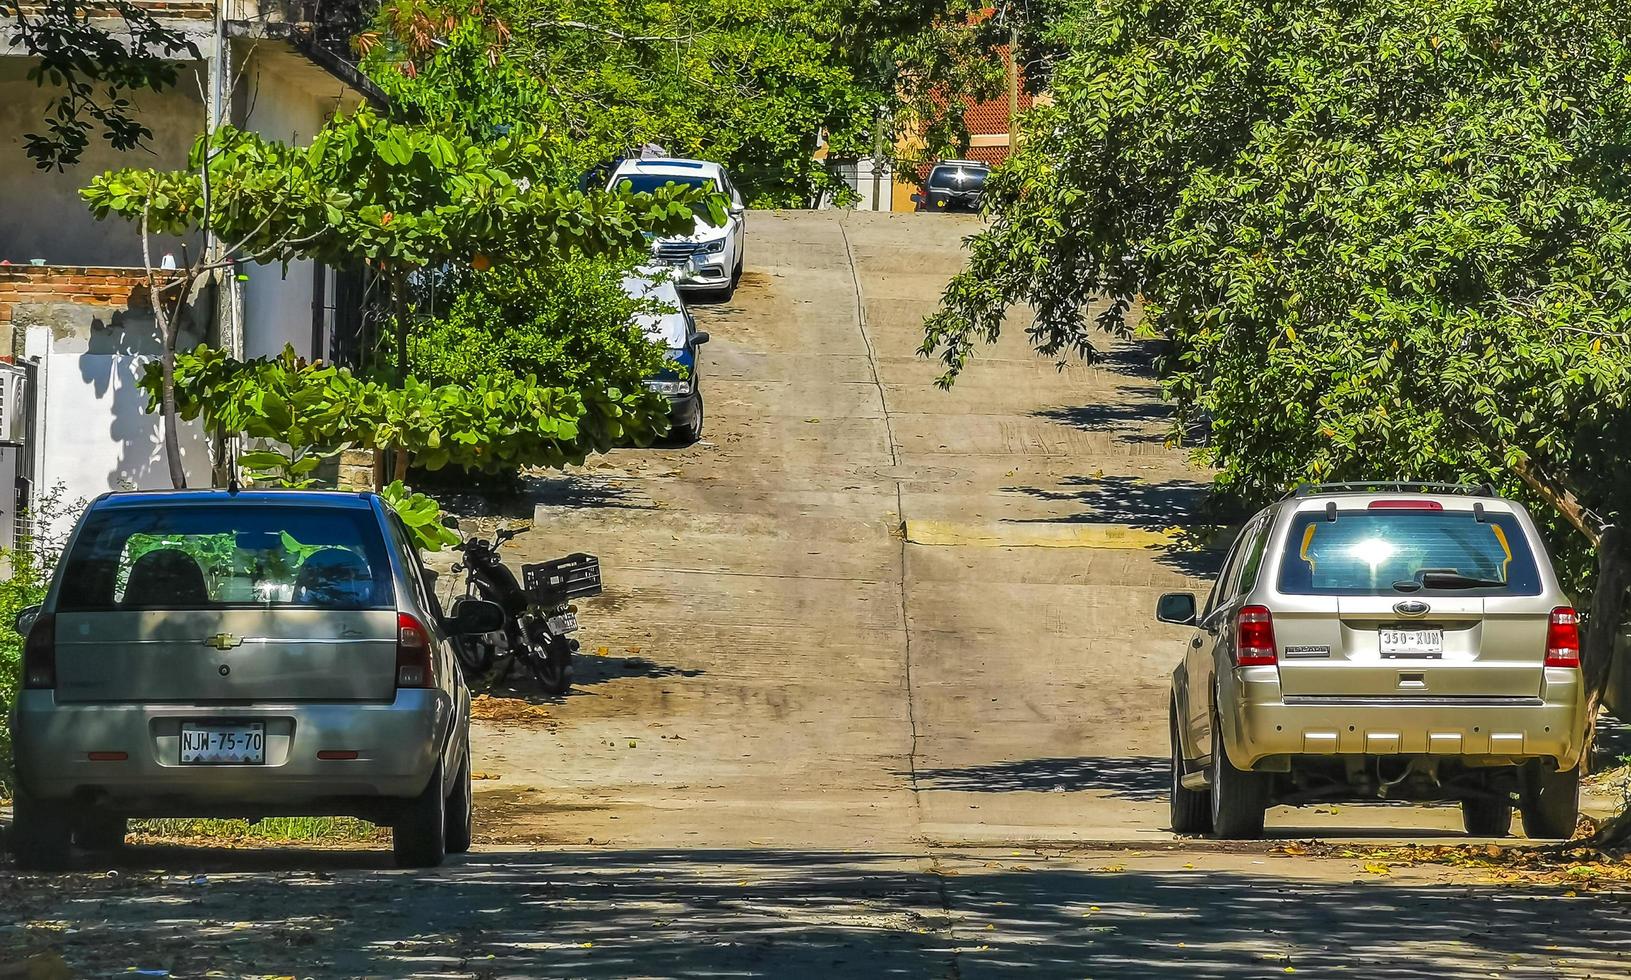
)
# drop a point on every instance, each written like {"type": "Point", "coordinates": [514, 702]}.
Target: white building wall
{"type": "Point", "coordinates": [277, 302]}
{"type": "Point", "coordinates": [94, 433]}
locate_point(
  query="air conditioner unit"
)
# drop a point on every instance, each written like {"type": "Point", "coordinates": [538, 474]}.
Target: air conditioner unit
{"type": "Point", "coordinates": [13, 405]}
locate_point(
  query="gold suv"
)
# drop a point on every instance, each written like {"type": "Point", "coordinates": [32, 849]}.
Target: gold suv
{"type": "Point", "coordinates": [1380, 642]}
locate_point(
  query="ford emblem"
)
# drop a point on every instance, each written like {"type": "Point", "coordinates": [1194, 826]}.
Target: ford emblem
{"type": "Point", "coordinates": [1411, 607]}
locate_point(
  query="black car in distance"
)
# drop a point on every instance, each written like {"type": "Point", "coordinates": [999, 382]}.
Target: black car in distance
{"type": "Point", "coordinates": [954, 185]}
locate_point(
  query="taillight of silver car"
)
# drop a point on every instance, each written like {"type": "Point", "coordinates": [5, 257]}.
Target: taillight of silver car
{"type": "Point", "coordinates": [1254, 637]}
{"type": "Point", "coordinates": [40, 654]}
{"type": "Point", "coordinates": [413, 664]}
{"type": "Point", "coordinates": [1563, 638]}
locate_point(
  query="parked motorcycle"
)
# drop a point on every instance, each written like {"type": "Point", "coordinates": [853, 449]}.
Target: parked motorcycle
{"type": "Point", "coordinates": [539, 616]}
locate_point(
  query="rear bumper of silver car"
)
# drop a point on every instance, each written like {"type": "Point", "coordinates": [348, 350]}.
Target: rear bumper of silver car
{"type": "Point", "coordinates": [73, 752]}
{"type": "Point", "coordinates": [1492, 731]}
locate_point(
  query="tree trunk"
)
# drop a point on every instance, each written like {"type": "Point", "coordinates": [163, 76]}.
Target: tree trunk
{"type": "Point", "coordinates": [1607, 612]}
{"type": "Point", "coordinates": [1608, 604]}
{"type": "Point", "coordinates": [172, 438]}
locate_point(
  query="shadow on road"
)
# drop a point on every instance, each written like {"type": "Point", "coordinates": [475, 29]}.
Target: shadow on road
{"type": "Point", "coordinates": [1122, 500]}
{"type": "Point", "coordinates": [800, 913]}
{"type": "Point", "coordinates": [1134, 779]}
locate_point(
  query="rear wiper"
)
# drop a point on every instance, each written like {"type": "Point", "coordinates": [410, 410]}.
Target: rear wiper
{"type": "Point", "coordinates": [1455, 580]}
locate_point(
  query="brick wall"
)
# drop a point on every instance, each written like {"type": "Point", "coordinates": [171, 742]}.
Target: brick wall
{"type": "Point", "coordinates": [89, 310]}
{"type": "Point", "coordinates": [115, 289]}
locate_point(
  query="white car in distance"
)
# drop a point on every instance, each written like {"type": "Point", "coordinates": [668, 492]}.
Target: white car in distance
{"type": "Point", "coordinates": [709, 260]}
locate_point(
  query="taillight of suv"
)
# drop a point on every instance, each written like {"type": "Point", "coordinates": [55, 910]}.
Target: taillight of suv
{"type": "Point", "coordinates": [1563, 638]}
{"type": "Point", "coordinates": [414, 667]}
{"type": "Point", "coordinates": [40, 654]}
{"type": "Point", "coordinates": [1254, 637]}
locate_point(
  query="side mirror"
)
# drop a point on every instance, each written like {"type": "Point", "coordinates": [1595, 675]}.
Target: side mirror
{"type": "Point", "coordinates": [25, 620]}
{"type": "Point", "coordinates": [700, 337]}
{"type": "Point", "coordinates": [476, 616]}
{"type": "Point", "coordinates": [1177, 608]}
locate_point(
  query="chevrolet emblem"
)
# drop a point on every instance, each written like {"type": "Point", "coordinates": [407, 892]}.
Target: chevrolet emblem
{"type": "Point", "coordinates": [224, 641]}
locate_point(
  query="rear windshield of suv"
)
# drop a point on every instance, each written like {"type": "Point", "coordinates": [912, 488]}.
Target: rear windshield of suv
{"type": "Point", "coordinates": [231, 556]}
{"type": "Point", "coordinates": [1407, 552]}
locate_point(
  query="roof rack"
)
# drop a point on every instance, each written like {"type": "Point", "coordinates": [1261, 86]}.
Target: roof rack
{"type": "Point", "coordinates": [1397, 486]}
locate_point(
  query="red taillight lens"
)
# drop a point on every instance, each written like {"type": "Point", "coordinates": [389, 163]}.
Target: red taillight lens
{"type": "Point", "coordinates": [413, 663]}
{"type": "Point", "coordinates": [1563, 638]}
{"type": "Point", "coordinates": [40, 654]}
{"type": "Point", "coordinates": [1254, 637]}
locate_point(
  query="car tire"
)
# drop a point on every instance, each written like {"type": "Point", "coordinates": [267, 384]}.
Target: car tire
{"type": "Point", "coordinates": [1549, 802]}
{"type": "Point", "coordinates": [686, 435]}
{"type": "Point", "coordinates": [102, 832]}
{"type": "Point", "coordinates": [1486, 817]}
{"type": "Point", "coordinates": [419, 835]}
{"type": "Point", "coordinates": [41, 834]}
{"type": "Point", "coordinates": [1239, 799]}
{"type": "Point", "coordinates": [1191, 810]}
{"type": "Point", "coordinates": [460, 806]}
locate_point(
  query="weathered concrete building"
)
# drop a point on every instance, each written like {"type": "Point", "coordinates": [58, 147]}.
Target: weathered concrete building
{"type": "Point", "coordinates": [73, 302]}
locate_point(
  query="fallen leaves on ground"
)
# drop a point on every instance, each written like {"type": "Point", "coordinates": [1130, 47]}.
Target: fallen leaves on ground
{"type": "Point", "coordinates": [485, 707]}
{"type": "Point", "coordinates": [1576, 866]}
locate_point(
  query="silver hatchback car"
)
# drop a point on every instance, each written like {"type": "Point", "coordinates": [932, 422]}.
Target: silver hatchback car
{"type": "Point", "coordinates": [1397, 642]}
{"type": "Point", "coordinates": [248, 654]}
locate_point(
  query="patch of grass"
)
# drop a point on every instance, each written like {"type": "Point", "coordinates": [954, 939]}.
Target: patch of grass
{"type": "Point", "coordinates": [280, 830]}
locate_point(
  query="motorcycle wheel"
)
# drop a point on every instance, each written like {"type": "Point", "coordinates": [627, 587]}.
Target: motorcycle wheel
{"type": "Point", "coordinates": [475, 654]}
{"type": "Point", "coordinates": [551, 666]}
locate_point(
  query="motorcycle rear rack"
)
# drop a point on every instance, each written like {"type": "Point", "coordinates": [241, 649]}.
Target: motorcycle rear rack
{"type": "Point", "coordinates": [554, 583]}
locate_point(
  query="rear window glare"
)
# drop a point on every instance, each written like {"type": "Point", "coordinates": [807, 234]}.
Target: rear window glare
{"type": "Point", "coordinates": [1407, 552]}
{"type": "Point", "coordinates": [230, 556]}
{"type": "Point", "coordinates": [958, 178]}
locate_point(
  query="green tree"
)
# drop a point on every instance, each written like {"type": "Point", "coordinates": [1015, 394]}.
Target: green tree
{"type": "Point", "coordinates": [567, 323]}
{"type": "Point", "coordinates": [95, 70]}
{"type": "Point", "coordinates": [1384, 240]}
{"type": "Point", "coordinates": [754, 84]}
{"type": "Point", "coordinates": [401, 198]}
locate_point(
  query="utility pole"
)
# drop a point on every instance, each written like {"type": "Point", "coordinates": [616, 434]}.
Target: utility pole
{"type": "Point", "coordinates": [877, 160]}
{"type": "Point", "coordinates": [1013, 86]}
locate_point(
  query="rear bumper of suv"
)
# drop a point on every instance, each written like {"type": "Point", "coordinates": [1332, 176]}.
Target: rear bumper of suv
{"type": "Point", "coordinates": [396, 748]}
{"type": "Point", "coordinates": [1265, 723]}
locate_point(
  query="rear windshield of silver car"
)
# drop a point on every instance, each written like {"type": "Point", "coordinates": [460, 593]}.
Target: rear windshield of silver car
{"type": "Point", "coordinates": [1392, 551]}
{"type": "Point", "coordinates": [227, 556]}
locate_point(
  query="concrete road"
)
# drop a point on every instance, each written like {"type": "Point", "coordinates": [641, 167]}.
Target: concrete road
{"type": "Point", "coordinates": [789, 662]}
{"type": "Point", "coordinates": [874, 690]}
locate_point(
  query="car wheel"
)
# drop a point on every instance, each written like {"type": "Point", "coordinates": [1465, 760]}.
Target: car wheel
{"type": "Point", "coordinates": [1486, 817]}
{"type": "Point", "coordinates": [102, 832]}
{"type": "Point", "coordinates": [419, 836]}
{"type": "Point", "coordinates": [1191, 810]}
{"type": "Point", "coordinates": [41, 834]}
{"type": "Point", "coordinates": [1549, 802]}
{"type": "Point", "coordinates": [1239, 798]}
{"type": "Point", "coordinates": [688, 434]}
{"type": "Point", "coordinates": [460, 807]}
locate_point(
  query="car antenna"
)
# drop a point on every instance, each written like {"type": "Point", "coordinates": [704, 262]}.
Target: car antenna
{"type": "Point", "coordinates": [233, 486]}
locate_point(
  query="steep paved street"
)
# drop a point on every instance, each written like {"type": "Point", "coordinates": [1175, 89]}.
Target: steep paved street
{"type": "Point", "coordinates": [874, 690]}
